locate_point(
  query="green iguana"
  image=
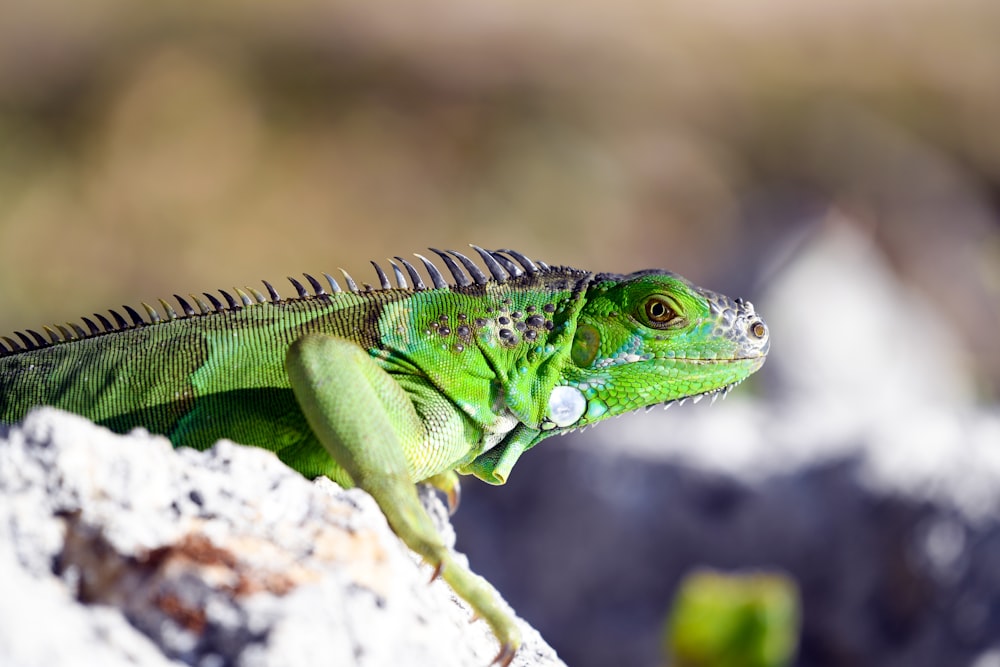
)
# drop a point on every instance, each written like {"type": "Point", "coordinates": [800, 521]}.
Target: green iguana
{"type": "Point", "coordinates": [382, 387]}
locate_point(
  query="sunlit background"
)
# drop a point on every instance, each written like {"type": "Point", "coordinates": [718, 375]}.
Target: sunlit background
{"type": "Point", "coordinates": [148, 149]}
{"type": "Point", "coordinates": [151, 149]}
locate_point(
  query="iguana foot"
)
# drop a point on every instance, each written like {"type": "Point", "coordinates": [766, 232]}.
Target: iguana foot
{"type": "Point", "coordinates": [483, 599]}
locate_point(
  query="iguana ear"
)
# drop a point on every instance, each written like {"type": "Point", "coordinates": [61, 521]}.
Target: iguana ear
{"type": "Point", "coordinates": [586, 343]}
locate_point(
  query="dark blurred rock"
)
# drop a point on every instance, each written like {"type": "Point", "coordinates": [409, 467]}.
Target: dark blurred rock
{"type": "Point", "coordinates": [885, 579]}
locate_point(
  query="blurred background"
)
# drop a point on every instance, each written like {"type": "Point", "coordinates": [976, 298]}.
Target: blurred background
{"type": "Point", "coordinates": [838, 161]}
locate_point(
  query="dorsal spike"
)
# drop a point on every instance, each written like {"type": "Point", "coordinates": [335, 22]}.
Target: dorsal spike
{"type": "Point", "coordinates": [461, 279]}
{"type": "Point", "coordinates": [436, 278]}
{"type": "Point", "coordinates": [27, 342]}
{"type": "Point", "coordinates": [168, 310]}
{"type": "Point", "coordinates": [203, 308]}
{"type": "Point", "coordinates": [12, 344]}
{"type": "Point", "coordinates": [351, 285]}
{"type": "Point", "coordinates": [317, 288]}
{"type": "Point", "coordinates": [257, 296]}
{"type": "Point", "coordinates": [39, 338]}
{"type": "Point", "coordinates": [298, 287]}
{"type": "Point", "coordinates": [4, 351]}
{"type": "Point", "coordinates": [542, 265]}
{"type": "Point", "coordinates": [528, 265]}
{"type": "Point", "coordinates": [120, 322]}
{"type": "Point", "coordinates": [136, 317]}
{"type": "Point", "coordinates": [77, 329]}
{"type": "Point", "coordinates": [383, 280]}
{"type": "Point", "coordinates": [105, 322]}
{"type": "Point", "coordinates": [334, 286]}
{"type": "Point", "coordinates": [273, 293]}
{"type": "Point", "coordinates": [151, 313]}
{"type": "Point", "coordinates": [475, 272]}
{"type": "Point", "coordinates": [508, 264]}
{"type": "Point", "coordinates": [216, 304]}
{"type": "Point", "coordinates": [244, 297]}
{"type": "Point", "coordinates": [230, 301]}
{"type": "Point", "coordinates": [418, 282]}
{"type": "Point", "coordinates": [185, 306]}
{"type": "Point", "coordinates": [492, 264]}
{"type": "Point", "coordinates": [53, 334]}
{"type": "Point", "coordinates": [90, 325]}
{"type": "Point", "coordinates": [400, 278]}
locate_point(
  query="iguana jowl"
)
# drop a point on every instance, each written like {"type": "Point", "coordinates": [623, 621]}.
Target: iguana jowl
{"type": "Point", "coordinates": [387, 386]}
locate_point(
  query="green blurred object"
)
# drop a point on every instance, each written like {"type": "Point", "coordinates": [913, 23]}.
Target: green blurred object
{"type": "Point", "coordinates": [733, 620]}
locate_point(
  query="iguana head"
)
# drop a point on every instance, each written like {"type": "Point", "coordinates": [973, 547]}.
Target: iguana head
{"type": "Point", "coordinates": [653, 337]}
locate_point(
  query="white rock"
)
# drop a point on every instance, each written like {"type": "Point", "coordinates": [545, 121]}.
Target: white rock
{"type": "Point", "coordinates": [118, 550]}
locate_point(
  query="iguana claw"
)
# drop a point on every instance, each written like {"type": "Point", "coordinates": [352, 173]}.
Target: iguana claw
{"type": "Point", "coordinates": [447, 482]}
{"type": "Point", "coordinates": [454, 496]}
{"type": "Point", "coordinates": [506, 654]}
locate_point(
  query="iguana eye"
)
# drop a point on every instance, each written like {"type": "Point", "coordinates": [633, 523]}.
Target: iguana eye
{"type": "Point", "coordinates": [659, 312]}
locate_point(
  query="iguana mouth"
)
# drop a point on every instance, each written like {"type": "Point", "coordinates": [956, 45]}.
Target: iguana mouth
{"type": "Point", "coordinates": [714, 394]}
{"type": "Point", "coordinates": [708, 362]}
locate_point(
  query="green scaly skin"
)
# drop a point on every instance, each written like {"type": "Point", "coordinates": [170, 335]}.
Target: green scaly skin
{"type": "Point", "coordinates": [384, 387]}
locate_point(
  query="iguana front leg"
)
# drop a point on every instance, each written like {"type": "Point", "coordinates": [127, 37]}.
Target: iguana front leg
{"type": "Point", "coordinates": [388, 436]}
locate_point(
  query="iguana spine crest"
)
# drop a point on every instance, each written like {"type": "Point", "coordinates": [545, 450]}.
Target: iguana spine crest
{"type": "Point", "coordinates": [502, 265]}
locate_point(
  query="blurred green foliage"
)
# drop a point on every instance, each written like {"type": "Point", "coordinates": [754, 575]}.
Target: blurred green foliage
{"type": "Point", "coordinates": [733, 620]}
{"type": "Point", "coordinates": [153, 148]}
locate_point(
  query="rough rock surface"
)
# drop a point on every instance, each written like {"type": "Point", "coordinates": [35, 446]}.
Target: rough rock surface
{"type": "Point", "coordinates": [118, 550]}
